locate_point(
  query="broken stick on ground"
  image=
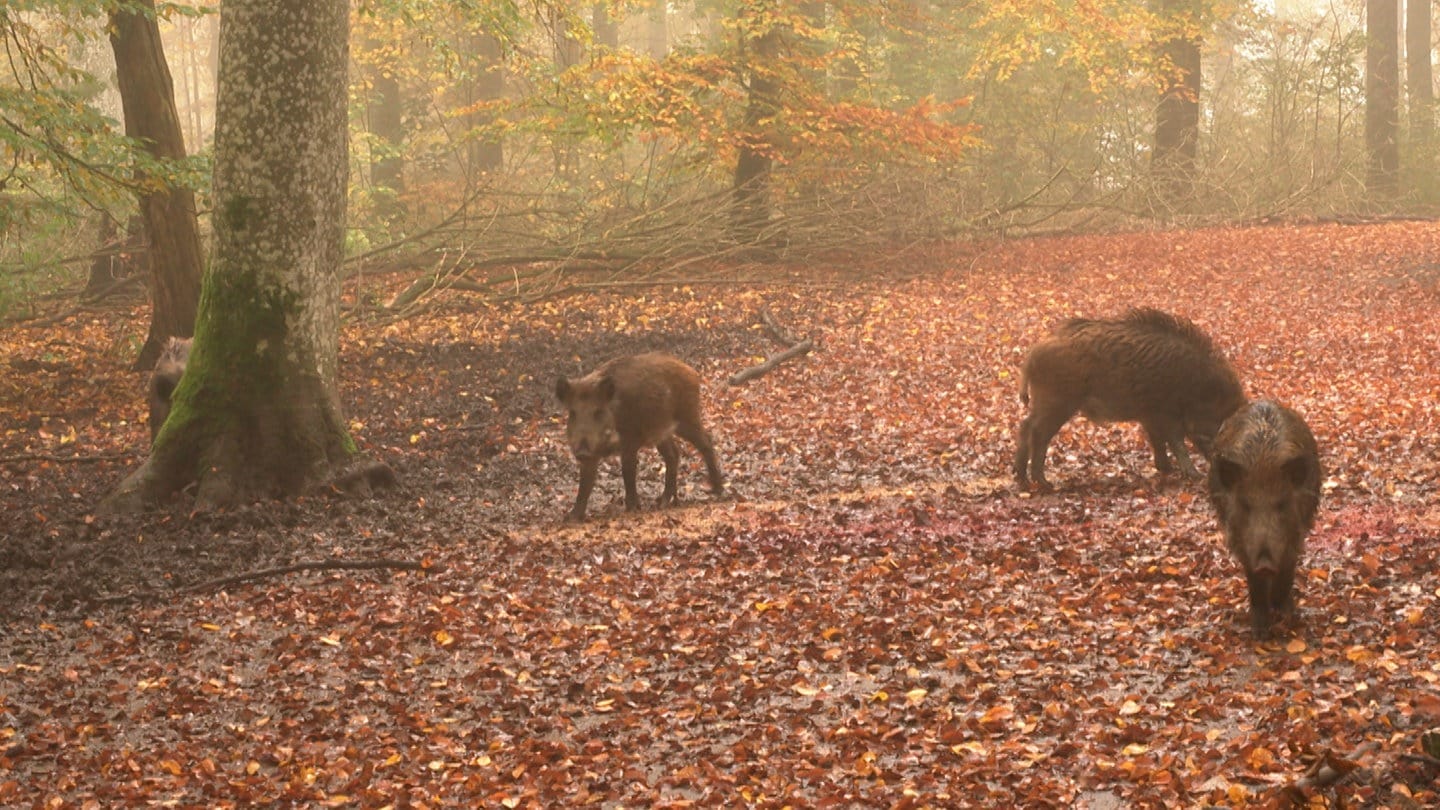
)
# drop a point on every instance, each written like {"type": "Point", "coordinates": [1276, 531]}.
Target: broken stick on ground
{"type": "Point", "coordinates": [796, 349]}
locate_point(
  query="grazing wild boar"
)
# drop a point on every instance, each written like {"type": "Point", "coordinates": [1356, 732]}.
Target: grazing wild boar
{"type": "Point", "coordinates": [633, 402]}
{"type": "Point", "coordinates": [168, 371]}
{"type": "Point", "coordinates": [1265, 486]}
{"type": "Point", "coordinates": [1149, 367]}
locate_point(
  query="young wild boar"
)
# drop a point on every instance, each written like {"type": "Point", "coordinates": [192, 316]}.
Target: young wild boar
{"type": "Point", "coordinates": [1148, 367]}
{"type": "Point", "coordinates": [168, 371]}
{"type": "Point", "coordinates": [1265, 485]}
{"type": "Point", "coordinates": [629, 403]}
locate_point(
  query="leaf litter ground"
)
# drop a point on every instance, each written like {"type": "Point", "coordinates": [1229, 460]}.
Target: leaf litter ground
{"type": "Point", "coordinates": [875, 617]}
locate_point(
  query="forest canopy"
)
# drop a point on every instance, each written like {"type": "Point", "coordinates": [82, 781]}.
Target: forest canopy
{"type": "Point", "coordinates": [585, 132]}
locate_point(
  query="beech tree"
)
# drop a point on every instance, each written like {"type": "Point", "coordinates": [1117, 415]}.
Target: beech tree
{"type": "Point", "coordinates": [1382, 97]}
{"type": "Point", "coordinates": [1177, 115]}
{"type": "Point", "coordinates": [257, 413]}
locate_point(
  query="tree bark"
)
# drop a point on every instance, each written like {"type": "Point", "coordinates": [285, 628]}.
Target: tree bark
{"type": "Point", "coordinates": [1419, 85]}
{"type": "Point", "coordinates": [487, 154]}
{"type": "Point", "coordinates": [386, 124]}
{"type": "Point", "coordinates": [657, 32]}
{"type": "Point", "coordinates": [148, 97]}
{"type": "Point", "coordinates": [759, 50]}
{"type": "Point", "coordinates": [257, 413]}
{"type": "Point", "coordinates": [1177, 115]}
{"type": "Point", "coordinates": [606, 28]}
{"type": "Point", "coordinates": [1382, 98]}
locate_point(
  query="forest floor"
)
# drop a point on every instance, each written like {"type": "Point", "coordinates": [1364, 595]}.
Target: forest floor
{"type": "Point", "coordinates": [874, 617]}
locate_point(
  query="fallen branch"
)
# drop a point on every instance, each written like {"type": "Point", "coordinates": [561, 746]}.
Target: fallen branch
{"type": "Point", "coordinates": [801, 348]}
{"type": "Point", "coordinates": [782, 335]}
{"type": "Point", "coordinates": [263, 573]}
{"type": "Point", "coordinates": [65, 459]}
{"type": "Point", "coordinates": [319, 565]}
{"type": "Point", "coordinates": [1328, 770]}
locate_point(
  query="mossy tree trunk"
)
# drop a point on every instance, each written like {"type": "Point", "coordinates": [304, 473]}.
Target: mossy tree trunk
{"type": "Point", "coordinates": [257, 413]}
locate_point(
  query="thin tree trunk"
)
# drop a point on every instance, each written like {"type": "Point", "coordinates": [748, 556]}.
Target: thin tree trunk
{"type": "Point", "coordinates": [1382, 98]}
{"type": "Point", "coordinates": [148, 97]}
{"type": "Point", "coordinates": [387, 162]}
{"type": "Point", "coordinates": [257, 412]}
{"type": "Point", "coordinates": [487, 154]}
{"type": "Point", "coordinates": [1419, 84]}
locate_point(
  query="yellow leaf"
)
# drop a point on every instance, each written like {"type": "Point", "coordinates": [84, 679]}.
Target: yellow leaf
{"type": "Point", "coordinates": [805, 689]}
{"type": "Point", "coordinates": [1295, 646]}
{"type": "Point", "coordinates": [915, 696]}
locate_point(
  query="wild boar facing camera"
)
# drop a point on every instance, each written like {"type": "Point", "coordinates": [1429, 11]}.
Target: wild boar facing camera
{"type": "Point", "coordinates": [632, 402]}
{"type": "Point", "coordinates": [1265, 486]}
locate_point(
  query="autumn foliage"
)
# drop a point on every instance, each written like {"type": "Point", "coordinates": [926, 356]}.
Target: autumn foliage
{"type": "Point", "coordinates": [876, 617]}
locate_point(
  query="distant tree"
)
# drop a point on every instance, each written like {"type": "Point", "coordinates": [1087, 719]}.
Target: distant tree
{"type": "Point", "coordinates": [257, 413]}
{"type": "Point", "coordinates": [1382, 98]}
{"type": "Point", "coordinates": [384, 117]}
{"type": "Point", "coordinates": [759, 33]}
{"type": "Point", "coordinates": [1420, 85]}
{"type": "Point", "coordinates": [486, 84]}
{"type": "Point", "coordinates": [166, 209]}
{"type": "Point", "coordinates": [605, 25]}
{"type": "Point", "coordinates": [1177, 115]}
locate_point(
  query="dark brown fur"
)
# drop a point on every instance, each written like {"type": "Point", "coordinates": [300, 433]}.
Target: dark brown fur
{"type": "Point", "coordinates": [1265, 486]}
{"type": "Point", "coordinates": [645, 400]}
{"type": "Point", "coordinates": [1148, 367]}
{"type": "Point", "coordinates": [168, 371]}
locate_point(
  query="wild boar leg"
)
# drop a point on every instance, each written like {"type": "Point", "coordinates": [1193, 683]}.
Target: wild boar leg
{"type": "Point", "coordinates": [671, 454]}
{"type": "Point", "coordinates": [589, 467]}
{"type": "Point", "coordinates": [698, 437]}
{"type": "Point", "coordinates": [629, 467]}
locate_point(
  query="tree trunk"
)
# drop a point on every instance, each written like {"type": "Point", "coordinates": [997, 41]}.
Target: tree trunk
{"type": "Point", "coordinates": [1177, 115]}
{"type": "Point", "coordinates": [606, 27]}
{"type": "Point", "coordinates": [759, 49]}
{"type": "Point", "coordinates": [657, 32]}
{"type": "Point", "coordinates": [257, 412]}
{"type": "Point", "coordinates": [487, 154]}
{"type": "Point", "coordinates": [386, 124]}
{"type": "Point", "coordinates": [148, 97]}
{"type": "Point", "coordinates": [1382, 98]}
{"type": "Point", "coordinates": [1419, 83]}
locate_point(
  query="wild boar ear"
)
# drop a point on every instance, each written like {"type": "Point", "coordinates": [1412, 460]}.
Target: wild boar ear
{"type": "Point", "coordinates": [1297, 470]}
{"type": "Point", "coordinates": [606, 388]}
{"type": "Point", "coordinates": [562, 390]}
{"type": "Point", "coordinates": [1227, 472]}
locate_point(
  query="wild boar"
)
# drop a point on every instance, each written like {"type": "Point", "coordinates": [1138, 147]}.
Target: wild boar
{"type": "Point", "coordinates": [1149, 367]}
{"type": "Point", "coordinates": [168, 371]}
{"type": "Point", "coordinates": [632, 402]}
{"type": "Point", "coordinates": [1265, 486]}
